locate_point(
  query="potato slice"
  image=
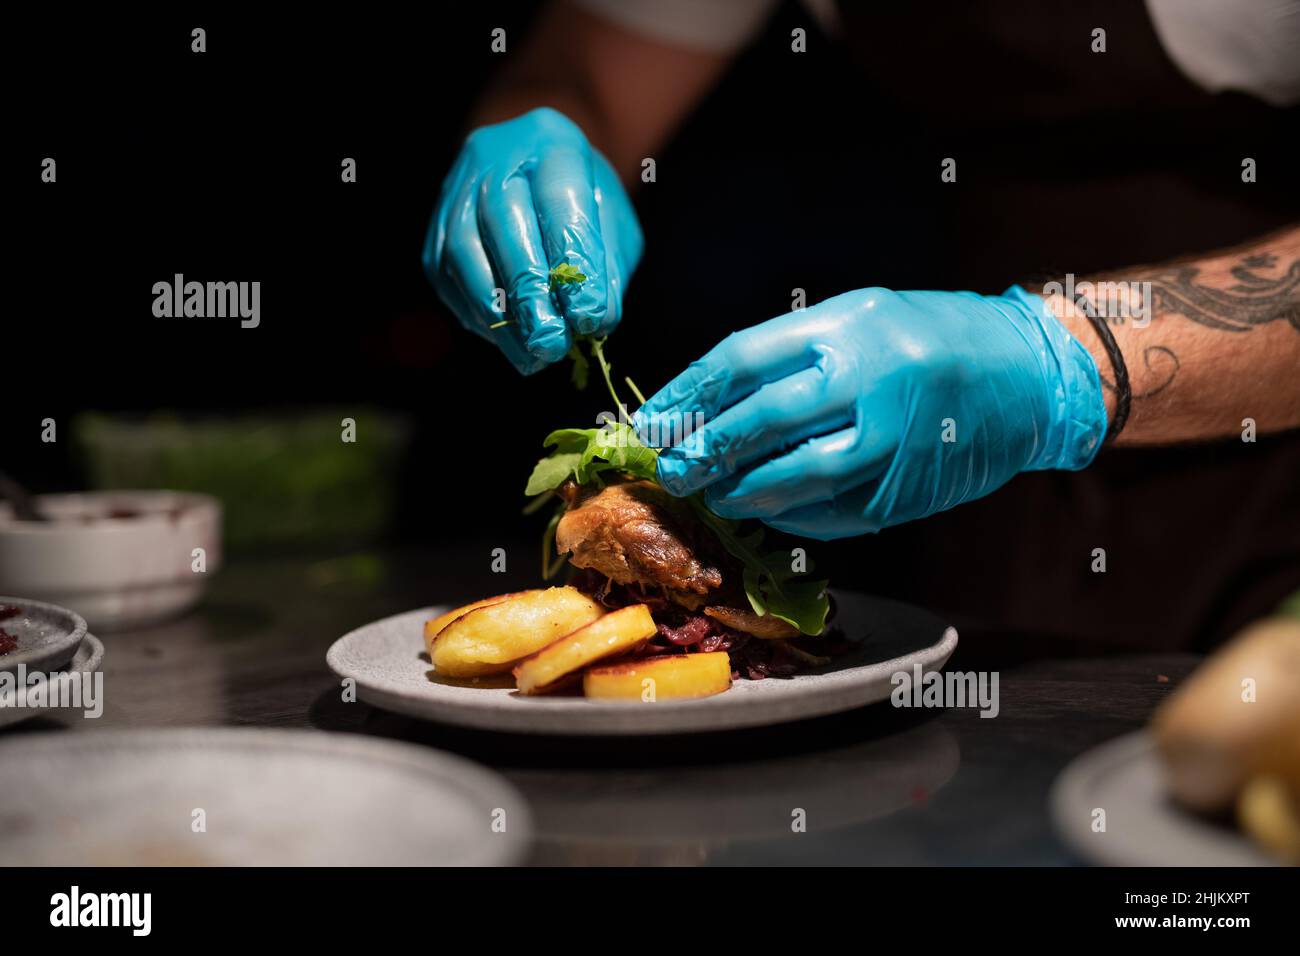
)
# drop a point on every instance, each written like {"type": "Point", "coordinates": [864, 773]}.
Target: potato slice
{"type": "Point", "coordinates": [665, 677]}
{"type": "Point", "coordinates": [434, 627]}
{"type": "Point", "coordinates": [490, 639]}
{"type": "Point", "coordinates": [615, 633]}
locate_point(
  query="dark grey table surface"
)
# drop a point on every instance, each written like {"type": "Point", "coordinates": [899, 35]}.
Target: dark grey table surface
{"type": "Point", "coordinates": [878, 785]}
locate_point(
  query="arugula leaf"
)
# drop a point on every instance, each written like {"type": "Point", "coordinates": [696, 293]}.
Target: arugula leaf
{"type": "Point", "coordinates": [570, 439]}
{"type": "Point", "coordinates": [771, 586]}
{"type": "Point", "coordinates": [563, 463]}
{"type": "Point", "coordinates": [799, 601]}
{"type": "Point", "coordinates": [620, 448]}
{"type": "Point", "coordinates": [552, 472]}
{"type": "Point", "coordinates": [566, 274]}
{"type": "Point", "coordinates": [585, 454]}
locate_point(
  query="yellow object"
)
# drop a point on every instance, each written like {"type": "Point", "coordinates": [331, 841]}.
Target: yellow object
{"type": "Point", "coordinates": [615, 633]}
{"type": "Point", "coordinates": [652, 679]}
{"type": "Point", "coordinates": [1268, 812]}
{"type": "Point", "coordinates": [1236, 717]}
{"type": "Point", "coordinates": [491, 638]}
{"type": "Point", "coordinates": [434, 627]}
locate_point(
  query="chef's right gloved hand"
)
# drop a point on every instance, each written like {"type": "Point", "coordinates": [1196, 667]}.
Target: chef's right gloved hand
{"type": "Point", "coordinates": [522, 198]}
{"type": "Point", "coordinates": [877, 407]}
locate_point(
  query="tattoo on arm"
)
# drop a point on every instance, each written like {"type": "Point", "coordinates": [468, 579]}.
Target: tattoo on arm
{"type": "Point", "coordinates": [1254, 300]}
{"type": "Point", "coordinates": [1159, 360]}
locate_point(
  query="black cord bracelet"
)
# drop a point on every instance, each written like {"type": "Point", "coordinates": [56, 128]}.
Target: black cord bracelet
{"type": "Point", "coordinates": [1123, 390]}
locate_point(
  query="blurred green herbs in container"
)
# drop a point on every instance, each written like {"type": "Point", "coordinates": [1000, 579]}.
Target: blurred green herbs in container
{"type": "Point", "coordinates": [285, 481]}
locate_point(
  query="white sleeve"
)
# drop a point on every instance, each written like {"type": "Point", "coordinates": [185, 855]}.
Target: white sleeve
{"type": "Point", "coordinates": [721, 26]}
{"type": "Point", "coordinates": [1252, 46]}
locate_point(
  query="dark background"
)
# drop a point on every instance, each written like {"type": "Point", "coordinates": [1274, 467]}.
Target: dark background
{"type": "Point", "coordinates": [810, 171]}
{"type": "Point", "coordinates": [225, 166]}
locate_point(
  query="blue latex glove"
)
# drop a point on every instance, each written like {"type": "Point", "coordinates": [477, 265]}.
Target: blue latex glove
{"type": "Point", "coordinates": [831, 421]}
{"type": "Point", "coordinates": [523, 197]}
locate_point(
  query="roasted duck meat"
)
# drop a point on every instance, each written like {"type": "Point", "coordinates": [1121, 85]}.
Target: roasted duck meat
{"type": "Point", "coordinates": [635, 533]}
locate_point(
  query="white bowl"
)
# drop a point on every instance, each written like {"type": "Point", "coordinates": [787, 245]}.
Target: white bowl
{"type": "Point", "coordinates": [118, 558]}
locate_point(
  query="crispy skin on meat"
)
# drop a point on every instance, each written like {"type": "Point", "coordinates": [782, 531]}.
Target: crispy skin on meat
{"type": "Point", "coordinates": [740, 619]}
{"type": "Point", "coordinates": [635, 533]}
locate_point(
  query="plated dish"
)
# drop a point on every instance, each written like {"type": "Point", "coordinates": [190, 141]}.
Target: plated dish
{"type": "Point", "coordinates": [664, 601]}
{"type": "Point", "coordinates": [390, 664]}
{"type": "Point", "coordinates": [672, 618]}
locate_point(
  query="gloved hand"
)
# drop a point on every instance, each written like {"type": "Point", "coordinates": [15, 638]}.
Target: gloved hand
{"type": "Point", "coordinates": [878, 407]}
{"type": "Point", "coordinates": [523, 197]}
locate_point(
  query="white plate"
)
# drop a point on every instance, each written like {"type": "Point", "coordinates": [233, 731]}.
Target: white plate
{"type": "Point", "coordinates": [119, 558]}
{"type": "Point", "coordinates": [87, 659]}
{"type": "Point", "coordinates": [268, 797]}
{"type": "Point", "coordinates": [392, 671]}
{"type": "Point", "coordinates": [48, 635]}
{"type": "Point", "coordinates": [1144, 827]}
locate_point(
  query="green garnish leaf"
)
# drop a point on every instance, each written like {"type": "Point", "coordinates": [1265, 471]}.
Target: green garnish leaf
{"type": "Point", "coordinates": [616, 446]}
{"type": "Point", "coordinates": [552, 472]}
{"type": "Point", "coordinates": [585, 454]}
{"type": "Point", "coordinates": [771, 586]}
{"type": "Point", "coordinates": [570, 439]}
{"type": "Point", "coordinates": [566, 274]}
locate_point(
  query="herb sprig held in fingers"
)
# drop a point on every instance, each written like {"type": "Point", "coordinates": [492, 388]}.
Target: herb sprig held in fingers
{"type": "Point", "coordinates": [587, 455]}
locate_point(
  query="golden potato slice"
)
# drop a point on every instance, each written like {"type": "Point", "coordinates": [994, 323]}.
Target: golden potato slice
{"type": "Point", "coordinates": [490, 639]}
{"type": "Point", "coordinates": [616, 632]}
{"type": "Point", "coordinates": [666, 677]}
{"type": "Point", "coordinates": [434, 627]}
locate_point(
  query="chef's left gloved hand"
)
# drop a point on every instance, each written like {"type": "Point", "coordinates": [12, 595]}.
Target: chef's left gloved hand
{"type": "Point", "coordinates": [524, 198]}
{"type": "Point", "coordinates": [876, 407]}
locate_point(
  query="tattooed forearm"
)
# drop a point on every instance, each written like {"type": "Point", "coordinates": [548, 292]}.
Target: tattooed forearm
{"type": "Point", "coordinates": [1177, 326]}
{"type": "Point", "coordinates": [1254, 299]}
{"type": "Point", "coordinates": [1160, 366]}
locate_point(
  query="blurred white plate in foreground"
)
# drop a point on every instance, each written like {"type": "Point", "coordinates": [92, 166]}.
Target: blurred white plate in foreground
{"type": "Point", "coordinates": [267, 797]}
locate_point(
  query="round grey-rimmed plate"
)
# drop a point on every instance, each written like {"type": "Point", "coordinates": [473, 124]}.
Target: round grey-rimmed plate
{"type": "Point", "coordinates": [48, 635]}
{"type": "Point", "coordinates": [392, 671]}
{"type": "Point", "coordinates": [239, 796]}
{"type": "Point", "coordinates": [1144, 827]}
{"type": "Point", "coordinates": [14, 706]}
